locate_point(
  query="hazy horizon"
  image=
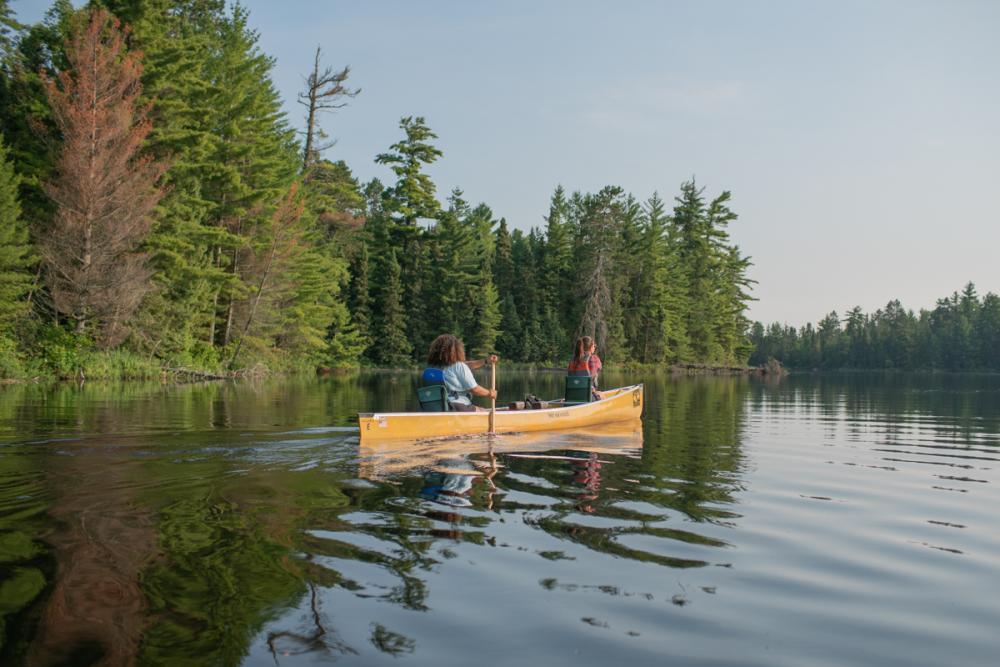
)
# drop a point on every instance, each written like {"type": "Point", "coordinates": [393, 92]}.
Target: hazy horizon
{"type": "Point", "coordinates": [858, 140]}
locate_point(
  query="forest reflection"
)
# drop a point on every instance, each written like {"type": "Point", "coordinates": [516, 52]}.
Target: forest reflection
{"type": "Point", "coordinates": [154, 524]}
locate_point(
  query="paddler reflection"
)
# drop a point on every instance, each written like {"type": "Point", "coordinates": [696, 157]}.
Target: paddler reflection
{"type": "Point", "coordinates": [455, 486]}
{"type": "Point", "coordinates": [586, 476]}
{"type": "Point", "coordinates": [449, 488]}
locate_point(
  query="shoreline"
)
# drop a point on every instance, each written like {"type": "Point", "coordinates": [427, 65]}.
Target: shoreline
{"type": "Point", "coordinates": [183, 375]}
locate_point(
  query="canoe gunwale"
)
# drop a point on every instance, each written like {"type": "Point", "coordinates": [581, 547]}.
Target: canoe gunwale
{"type": "Point", "coordinates": [618, 391]}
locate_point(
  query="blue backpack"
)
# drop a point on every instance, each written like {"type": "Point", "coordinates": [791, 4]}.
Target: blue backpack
{"type": "Point", "coordinates": [433, 394]}
{"type": "Point", "coordinates": [432, 376]}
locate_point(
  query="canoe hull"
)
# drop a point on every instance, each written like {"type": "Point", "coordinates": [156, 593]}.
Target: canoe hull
{"type": "Point", "coordinates": [619, 405]}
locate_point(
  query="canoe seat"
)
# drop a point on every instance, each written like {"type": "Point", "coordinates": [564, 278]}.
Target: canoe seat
{"type": "Point", "coordinates": [578, 388]}
{"type": "Point", "coordinates": [433, 394]}
{"type": "Point", "coordinates": [433, 398]}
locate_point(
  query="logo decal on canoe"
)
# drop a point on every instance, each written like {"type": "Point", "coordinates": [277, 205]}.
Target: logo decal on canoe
{"type": "Point", "coordinates": [382, 422]}
{"type": "Point", "coordinates": [557, 415]}
{"type": "Point", "coordinates": [636, 398]}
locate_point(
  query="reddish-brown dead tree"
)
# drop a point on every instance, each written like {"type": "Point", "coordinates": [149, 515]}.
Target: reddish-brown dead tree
{"type": "Point", "coordinates": [104, 191]}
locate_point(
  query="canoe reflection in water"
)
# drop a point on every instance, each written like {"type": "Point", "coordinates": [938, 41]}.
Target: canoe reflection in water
{"type": "Point", "coordinates": [458, 470]}
{"type": "Point", "coordinates": [475, 455]}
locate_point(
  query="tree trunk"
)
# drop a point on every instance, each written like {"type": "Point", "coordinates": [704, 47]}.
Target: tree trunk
{"type": "Point", "coordinates": [216, 252]}
{"type": "Point", "coordinates": [311, 116]}
{"type": "Point", "coordinates": [256, 301]}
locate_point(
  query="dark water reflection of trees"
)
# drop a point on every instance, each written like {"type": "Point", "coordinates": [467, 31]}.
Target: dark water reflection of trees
{"type": "Point", "coordinates": [164, 524]}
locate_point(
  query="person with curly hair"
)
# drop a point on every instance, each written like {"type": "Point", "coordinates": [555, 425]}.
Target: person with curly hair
{"type": "Point", "coordinates": [446, 361]}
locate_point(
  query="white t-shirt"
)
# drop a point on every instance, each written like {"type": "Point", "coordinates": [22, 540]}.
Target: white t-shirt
{"type": "Point", "coordinates": [459, 382]}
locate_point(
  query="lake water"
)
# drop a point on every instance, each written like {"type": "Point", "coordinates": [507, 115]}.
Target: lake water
{"type": "Point", "coordinates": [819, 520]}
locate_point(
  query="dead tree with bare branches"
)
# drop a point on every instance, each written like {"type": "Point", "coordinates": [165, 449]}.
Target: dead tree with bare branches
{"type": "Point", "coordinates": [325, 91]}
{"type": "Point", "coordinates": [104, 190]}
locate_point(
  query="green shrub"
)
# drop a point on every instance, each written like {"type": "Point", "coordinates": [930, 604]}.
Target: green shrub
{"type": "Point", "coordinates": [11, 362]}
{"type": "Point", "coordinates": [59, 351]}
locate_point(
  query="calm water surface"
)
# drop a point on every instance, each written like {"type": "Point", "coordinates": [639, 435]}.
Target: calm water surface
{"type": "Point", "coordinates": [822, 520]}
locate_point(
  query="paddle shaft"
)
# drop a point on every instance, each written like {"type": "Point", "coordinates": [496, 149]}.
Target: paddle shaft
{"type": "Point", "coordinates": [493, 397]}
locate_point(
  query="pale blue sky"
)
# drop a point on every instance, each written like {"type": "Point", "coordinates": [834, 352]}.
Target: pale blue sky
{"type": "Point", "coordinates": [861, 140]}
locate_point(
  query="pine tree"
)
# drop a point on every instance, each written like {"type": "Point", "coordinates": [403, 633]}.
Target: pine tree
{"type": "Point", "coordinates": [732, 325]}
{"type": "Point", "coordinates": [504, 276]}
{"type": "Point", "coordinates": [486, 319]}
{"type": "Point", "coordinates": [855, 330]}
{"type": "Point", "coordinates": [359, 299]}
{"type": "Point", "coordinates": [451, 274]}
{"type": "Point", "coordinates": [335, 210]}
{"type": "Point", "coordinates": [272, 268]}
{"type": "Point", "coordinates": [480, 223]}
{"type": "Point", "coordinates": [377, 233]}
{"type": "Point", "coordinates": [731, 296]}
{"type": "Point", "coordinates": [659, 331]}
{"type": "Point", "coordinates": [694, 246]}
{"type": "Point", "coordinates": [391, 346]}
{"type": "Point", "coordinates": [15, 249]}
{"type": "Point", "coordinates": [335, 199]}
{"type": "Point", "coordinates": [527, 253]}
{"type": "Point", "coordinates": [897, 339]}
{"type": "Point", "coordinates": [412, 197]}
{"type": "Point", "coordinates": [179, 40]}
{"type": "Point", "coordinates": [253, 160]}
{"type": "Point", "coordinates": [829, 334]}
{"type": "Point", "coordinates": [479, 312]}
{"type": "Point", "coordinates": [558, 270]}
{"type": "Point", "coordinates": [508, 342]}
{"type": "Point", "coordinates": [714, 274]}
{"type": "Point", "coordinates": [503, 266]}
{"type": "Point", "coordinates": [346, 343]}
{"type": "Point", "coordinates": [601, 282]}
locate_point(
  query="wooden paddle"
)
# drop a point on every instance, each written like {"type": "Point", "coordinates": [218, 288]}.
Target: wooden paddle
{"type": "Point", "coordinates": [493, 399]}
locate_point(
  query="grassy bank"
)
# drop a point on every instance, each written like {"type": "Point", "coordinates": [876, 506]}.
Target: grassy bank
{"type": "Point", "coordinates": [68, 357]}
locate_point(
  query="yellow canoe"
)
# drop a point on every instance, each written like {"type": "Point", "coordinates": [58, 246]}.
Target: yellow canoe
{"type": "Point", "coordinates": [617, 405]}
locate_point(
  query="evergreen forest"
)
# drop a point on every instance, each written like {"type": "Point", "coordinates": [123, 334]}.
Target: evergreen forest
{"type": "Point", "coordinates": [161, 211]}
{"type": "Point", "coordinates": [961, 333]}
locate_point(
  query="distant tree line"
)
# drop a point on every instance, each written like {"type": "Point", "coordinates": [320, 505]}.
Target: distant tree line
{"type": "Point", "coordinates": [961, 332]}
{"type": "Point", "coordinates": [155, 203]}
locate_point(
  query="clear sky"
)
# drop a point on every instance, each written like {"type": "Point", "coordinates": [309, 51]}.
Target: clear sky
{"type": "Point", "coordinates": [860, 139]}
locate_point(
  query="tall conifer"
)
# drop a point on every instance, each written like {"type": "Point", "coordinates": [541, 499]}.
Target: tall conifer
{"type": "Point", "coordinates": [391, 346]}
{"type": "Point", "coordinates": [409, 200]}
{"type": "Point", "coordinates": [104, 191]}
{"type": "Point", "coordinates": [359, 299]}
{"type": "Point", "coordinates": [179, 39]}
{"type": "Point", "coordinates": [253, 158]}
{"type": "Point", "coordinates": [558, 271]}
